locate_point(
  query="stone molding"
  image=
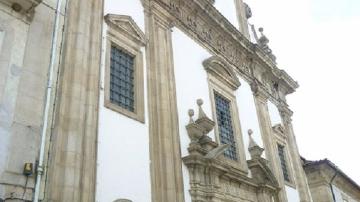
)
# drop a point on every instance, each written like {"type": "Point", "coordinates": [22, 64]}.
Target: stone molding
{"type": "Point", "coordinates": [72, 164]}
{"type": "Point", "coordinates": [213, 179]}
{"type": "Point", "coordinates": [224, 90]}
{"type": "Point", "coordinates": [218, 67]}
{"type": "Point", "coordinates": [127, 36]}
{"type": "Point", "coordinates": [165, 155]}
{"type": "Point", "coordinates": [299, 173]}
{"type": "Point", "coordinates": [126, 26]}
{"type": "Point", "coordinates": [206, 25]}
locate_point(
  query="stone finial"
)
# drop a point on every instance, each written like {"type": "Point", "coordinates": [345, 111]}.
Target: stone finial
{"type": "Point", "coordinates": [252, 143]}
{"type": "Point", "coordinates": [202, 114]}
{"type": "Point", "coordinates": [191, 114]}
{"type": "Point", "coordinates": [203, 121]}
{"type": "Point", "coordinates": [254, 149]}
{"type": "Point", "coordinates": [263, 40]}
{"type": "Point", "coordinates": [263, 43]}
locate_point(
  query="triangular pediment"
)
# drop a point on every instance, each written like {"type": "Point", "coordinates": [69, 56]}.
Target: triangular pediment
{"type": "Point", "coordinates": [262, 173]}
{"type": "Point", "coordinates": [127, 25]}
{"type": "Point", "coordinates": [220, 69]}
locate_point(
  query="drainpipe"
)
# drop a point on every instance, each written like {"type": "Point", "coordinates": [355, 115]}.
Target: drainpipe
{"type": "Point", "coordinates": [40, 167]}
{"type": "Point", "coordinates": [331, 186]}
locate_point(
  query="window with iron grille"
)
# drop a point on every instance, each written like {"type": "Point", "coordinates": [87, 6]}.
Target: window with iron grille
{"type": "Point", "coordinates": [283, 162]}
{"type": "Point", "coordinates": [226, 132]}
{"type": "Point", "coordinates": [122, 79]}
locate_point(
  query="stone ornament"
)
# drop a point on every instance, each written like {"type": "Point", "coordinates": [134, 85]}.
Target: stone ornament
{"type": "Point", "coordinates": [222, 71]}
{"type": "Point", "coordinates": [212, 178]}
{"type": "Point", "coordinates": [259, 167]}
{"type": "Point", "coordinates": [263, 43]}
{"type": "Point", "coordinates": [197, 130]}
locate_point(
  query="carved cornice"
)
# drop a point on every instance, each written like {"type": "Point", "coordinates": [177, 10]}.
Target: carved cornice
{"type": "Point", "coordinates": [259, 91]}
{"type": "Point", "coordinates": [127, 26]}
{"type": "Point", "coordinates": [285, 113]}
{"type": "Point", "coordinates": [219, 68]}
{"type": "Point", "coordinates": [205, 24]}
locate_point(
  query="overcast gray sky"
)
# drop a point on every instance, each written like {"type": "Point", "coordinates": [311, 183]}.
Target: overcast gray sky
{"type": "Point", "coordinates": [317, 42]}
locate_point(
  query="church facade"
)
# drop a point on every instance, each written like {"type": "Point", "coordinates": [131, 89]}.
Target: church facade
{"type": "Point", "coordinates": [148, 100]}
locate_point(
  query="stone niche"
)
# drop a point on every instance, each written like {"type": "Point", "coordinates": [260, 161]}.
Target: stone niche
{"type": "Point", "coordinates": [213, 179]}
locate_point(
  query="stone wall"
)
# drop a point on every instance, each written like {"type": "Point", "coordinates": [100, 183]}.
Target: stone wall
{"type": "Point", "coordinates": [24, 61]}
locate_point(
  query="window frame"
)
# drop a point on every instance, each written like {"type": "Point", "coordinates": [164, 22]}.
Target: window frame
{"type": "Point", "coordinates": [216, 86]}
{"type": "Point", "coordinates": [217, 94]}
{"type": "Point", "coordinates": [128, 46]}
{"type": "Point", "coordinates": [283, 160]}
{"type": "Point", "coordinates": [289, 166]}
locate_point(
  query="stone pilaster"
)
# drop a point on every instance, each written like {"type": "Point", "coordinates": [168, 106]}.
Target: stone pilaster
{"type": "Point", "coordinates": [242, 18]}
{"type": "Point", "coordinates": [261, 99]}
{"type": "Point", "coordinates": [299, 173]}
{"type": "Point", "coordinates": [166, 173]}
{"type": "Point", "coordinates": [72, 169]}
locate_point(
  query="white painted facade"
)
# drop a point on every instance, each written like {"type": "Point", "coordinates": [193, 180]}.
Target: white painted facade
{"type": "Point", "coordinates": [274, 114]}
{"type": "Point", "coordinates": [122, 140]}
{"type": "Point", "coordinates": [248, 116]}
{"type": "Point", "coordinates": [191, 84]}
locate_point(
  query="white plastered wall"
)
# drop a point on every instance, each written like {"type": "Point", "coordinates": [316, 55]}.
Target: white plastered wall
{"type": "Point", "coordinates": [274, 114]}
{"type": "Point", "coordinates": [123, 170]}
{"type": "Point", "coordinates": [248, 115]}
{"type": "Point", "coordinates": [191, 84]}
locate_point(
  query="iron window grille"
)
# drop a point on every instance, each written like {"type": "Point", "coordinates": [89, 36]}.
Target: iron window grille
{"type": "Point", "coordinates": [122, 79]}
{"type": "Point", "coordinates": [283, 163]}
{"type": "Point", "coordinates": [224, 120]}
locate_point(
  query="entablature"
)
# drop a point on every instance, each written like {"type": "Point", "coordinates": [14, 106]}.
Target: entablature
{"type": "Point", "coordinates": [206, 25]}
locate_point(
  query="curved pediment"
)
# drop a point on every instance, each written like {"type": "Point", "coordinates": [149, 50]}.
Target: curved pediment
{"type": "Point", "coordinates": [222, 71]}
{"type": "Point", "coordinates": [126, 25]}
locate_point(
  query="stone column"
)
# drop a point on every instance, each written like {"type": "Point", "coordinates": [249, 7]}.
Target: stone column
{"type": "Point", "coordinates": [165, 156]}
{"type": "Point", "coordinates": [299, 173]}
{"type": "Point", "coordinates": [261, 99]}
{"type": "Point", "coordinates": [72, 168]}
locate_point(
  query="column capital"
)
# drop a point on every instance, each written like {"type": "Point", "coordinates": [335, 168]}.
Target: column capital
{"type": "Point", "coordinates": [156, 11]}
{"type": "Point", "coordinates": [259, 92]}
{"type": "Point", "coordinates": [285, 113]}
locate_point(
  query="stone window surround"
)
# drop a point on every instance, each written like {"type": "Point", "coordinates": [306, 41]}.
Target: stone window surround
{"type": "Point", "coordinates": [291, 183]}
{"type": "Point", "coordinates": [124, 43]}
{"type": "Point", "coordinates": [216, 86]}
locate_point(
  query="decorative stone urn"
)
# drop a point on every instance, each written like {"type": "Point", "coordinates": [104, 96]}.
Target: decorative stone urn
{"type": "Point", "coordinates": [213, 178]}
